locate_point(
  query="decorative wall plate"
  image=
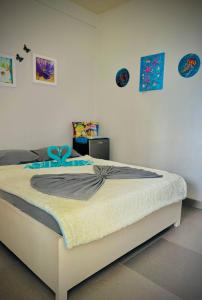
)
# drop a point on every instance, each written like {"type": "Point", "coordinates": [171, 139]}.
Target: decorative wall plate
{"type": "Point", "coordinates": [122, 77]}
{"type": "Point", "coordinates": [189, 65]}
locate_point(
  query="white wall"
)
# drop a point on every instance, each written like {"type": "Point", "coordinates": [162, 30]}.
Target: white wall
{"type": "Point", "coordinates": [160, 129]}
{"type": "Point", "coordinates": [34, 115]}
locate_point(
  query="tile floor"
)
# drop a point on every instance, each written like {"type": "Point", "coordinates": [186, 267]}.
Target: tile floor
{"type": "Point", "coordinates": [168, 267]}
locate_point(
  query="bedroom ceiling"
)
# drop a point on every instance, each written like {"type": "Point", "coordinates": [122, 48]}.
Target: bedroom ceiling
{"type": "Point", "coordinates": [99, 6]}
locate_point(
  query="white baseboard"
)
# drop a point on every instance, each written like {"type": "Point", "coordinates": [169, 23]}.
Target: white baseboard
{"type": "Point", "coordinates": [193, 203]}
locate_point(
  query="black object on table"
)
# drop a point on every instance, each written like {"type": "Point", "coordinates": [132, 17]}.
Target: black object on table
{"type": "Point", "coordinates": [95, 147]}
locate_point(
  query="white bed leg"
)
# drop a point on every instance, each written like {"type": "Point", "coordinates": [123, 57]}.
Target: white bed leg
{"type": "Point", "coordinates": [61, 295]}
{"type": "Point", "coordinates": [177, 223]}
{"type": "Point", "coordinates": [62, 286]}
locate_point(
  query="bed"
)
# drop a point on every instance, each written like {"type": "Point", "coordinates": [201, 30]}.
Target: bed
{"type": "Point", "coordinates": [43, 249]}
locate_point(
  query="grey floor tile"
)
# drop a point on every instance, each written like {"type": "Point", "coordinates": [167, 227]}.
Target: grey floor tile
{"type": "Point", "coordinates": [186, 236]}
{"type": "Point", "coordinates": [118, 282]}
{"type": "Point", "coordinates": [192, 216]}
{"type": "Point", "coordinates": [173, 267]}
{"type": "Point", "coordinates": [191, 213]}
{"type": "Point", "coordinates": [17, 282]}
{"type": "Point", "coordinates": [188, 233]}
{"type": "Point", "coordinates": [6, 257]}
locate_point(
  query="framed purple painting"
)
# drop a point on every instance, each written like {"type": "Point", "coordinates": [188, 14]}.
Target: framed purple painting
{"type": "Point", "coordinates": [44, 70]}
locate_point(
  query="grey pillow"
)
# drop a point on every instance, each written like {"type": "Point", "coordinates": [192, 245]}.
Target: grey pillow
{"type": "Point", "coordinates": [74, 154]}
{"type": "Point", "coordinates": [15, 157]}
{"type": "Point", "coordinates": [42, 154]}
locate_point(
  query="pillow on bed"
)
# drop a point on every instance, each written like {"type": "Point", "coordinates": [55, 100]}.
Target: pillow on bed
{"type": "Point", "coordinates": [15, 157]}
{"type": "Point", "coordinates": [74, 154]}
{"type": "Point", "coordinates": [42, 154]}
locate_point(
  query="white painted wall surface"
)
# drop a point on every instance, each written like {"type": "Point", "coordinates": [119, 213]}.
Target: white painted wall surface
{"type": "Point", "coordinates": [34, 115]}
{"type": "Point", "coordinates": [159, 129]}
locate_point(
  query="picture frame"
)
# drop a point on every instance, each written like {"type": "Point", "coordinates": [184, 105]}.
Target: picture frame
{"type": "Point", "coordinates": [152, 72]}
{"type": "Point", "coordinates": [44, 70]}
{"type": "Point", "coordinates": [7, 70]}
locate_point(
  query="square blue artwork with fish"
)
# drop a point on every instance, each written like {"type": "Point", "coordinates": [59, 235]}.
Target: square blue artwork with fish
{"type": "Point", "coordinates": [151, 72]}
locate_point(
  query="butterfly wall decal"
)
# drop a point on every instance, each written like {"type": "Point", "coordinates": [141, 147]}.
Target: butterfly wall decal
{"type": "Point", "coordinates": [19, 58]}
{"type": "Point", "coordinates": [26, 49]}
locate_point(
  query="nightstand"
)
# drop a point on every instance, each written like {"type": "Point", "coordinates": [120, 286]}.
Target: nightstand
{"type": "Point", "coordinates": [95, 147]}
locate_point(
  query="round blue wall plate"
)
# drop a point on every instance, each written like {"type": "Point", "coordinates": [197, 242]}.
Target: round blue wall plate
{"type": "Point", "coordinates": [122, 77]}
{"type": "Point", "coordinates": [189, 65]}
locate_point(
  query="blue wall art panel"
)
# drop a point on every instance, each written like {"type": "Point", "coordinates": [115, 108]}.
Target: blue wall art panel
{"type": "Point", "coordinates": [151, 72]}
{"type": "Point", "coordinates": [189, 65]}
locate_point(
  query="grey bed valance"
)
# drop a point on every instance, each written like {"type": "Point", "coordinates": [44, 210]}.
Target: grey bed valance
{"type": "Point", "coordinates": [82, 186]}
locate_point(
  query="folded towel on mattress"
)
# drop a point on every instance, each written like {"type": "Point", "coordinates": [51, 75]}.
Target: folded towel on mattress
{"type": "Point", "coordinates": [84, 186]}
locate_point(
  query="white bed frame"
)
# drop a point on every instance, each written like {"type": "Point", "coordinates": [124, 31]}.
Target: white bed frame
{"type": "Point", "coordinates": [43, 250]}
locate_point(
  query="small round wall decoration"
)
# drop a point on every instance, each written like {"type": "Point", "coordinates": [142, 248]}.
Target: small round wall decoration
{"type": "Point", "coordinates": [189, 65]}
{"type": "Point", "coordinates": [122, 77]}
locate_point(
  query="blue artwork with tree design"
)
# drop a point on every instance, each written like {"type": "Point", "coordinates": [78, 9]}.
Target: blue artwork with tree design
{"type": "Point", "coordinates": [151, 72]}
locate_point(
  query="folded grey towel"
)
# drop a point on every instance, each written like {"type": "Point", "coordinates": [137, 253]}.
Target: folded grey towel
{"type": "Point", "coordinates": [82, 186]}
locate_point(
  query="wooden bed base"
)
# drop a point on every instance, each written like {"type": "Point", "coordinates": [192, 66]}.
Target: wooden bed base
{"type": "Point", "coordinates": [43, 250]}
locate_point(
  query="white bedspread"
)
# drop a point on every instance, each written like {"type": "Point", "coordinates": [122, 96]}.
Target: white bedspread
{"type": "Point", "coordinates": [117, 204]}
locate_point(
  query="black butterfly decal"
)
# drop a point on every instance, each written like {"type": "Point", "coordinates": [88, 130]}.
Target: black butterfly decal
{"type": "Point", "coordinates": [19, 58]}
{"type": "Point", "coordinates": [27, 50]}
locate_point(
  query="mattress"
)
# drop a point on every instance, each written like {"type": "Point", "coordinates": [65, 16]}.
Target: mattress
{"type": "Point", "coordinates": [117, 204]}
{"type": "Point", "coordinates": [31, 210]}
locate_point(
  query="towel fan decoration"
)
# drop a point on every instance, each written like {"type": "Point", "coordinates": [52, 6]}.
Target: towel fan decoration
{"type": "Point", "coordinates": [82, 186]}
{"type": "Point", "coordinates": [59, 157]}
